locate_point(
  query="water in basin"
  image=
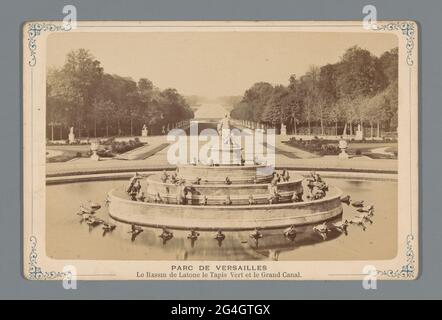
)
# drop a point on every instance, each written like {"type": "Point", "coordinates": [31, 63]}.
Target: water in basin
{"type": "Point", "coordinates": [379, 241]}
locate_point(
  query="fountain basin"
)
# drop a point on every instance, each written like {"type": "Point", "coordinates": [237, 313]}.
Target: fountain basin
{"type": "Point", "coordinates": [227, 218]}
{"type": "Point", "coordinates": [378, 242]}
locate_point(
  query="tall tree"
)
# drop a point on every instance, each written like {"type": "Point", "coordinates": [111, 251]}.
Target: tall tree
{"type": "Point", "coordinates": [294, 103]}
{"type": "Point", "coordinates": [276, 110]}
{"type": "Point", "coordinates": [389, 64]}
{"type": "Point", "coordinates": [359, 73]}
{"type": "Point", "coordinates": [82, 95]}
{"type": "Point", "coordinates": [309, 86]}
{"type": "Point", "coordinates": [81, 77]}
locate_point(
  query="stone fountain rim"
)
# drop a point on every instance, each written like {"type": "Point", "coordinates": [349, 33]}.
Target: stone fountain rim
{"type": "Point", "coordinates": [337, 194]}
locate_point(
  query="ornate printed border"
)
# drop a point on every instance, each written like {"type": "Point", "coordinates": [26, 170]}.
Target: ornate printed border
{"type": "Point", "coordinates": [408, 31]}
{"type": "Point", "coordinates": [35, 30]}
{"type": "Point", "coordinates": [408, 270]}
{"type": "Point", "coordinates": [35, 272]}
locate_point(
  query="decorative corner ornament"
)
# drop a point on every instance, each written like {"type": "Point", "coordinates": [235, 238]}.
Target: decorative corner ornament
{"type": "Point", "coordinates": [408, 270]}
{"type": "Point", "coordinates": [408, 31]}
{"type": "Point", "coordinates": [35, 272]}
{"type": "Point", "coordinates": [35, 29]}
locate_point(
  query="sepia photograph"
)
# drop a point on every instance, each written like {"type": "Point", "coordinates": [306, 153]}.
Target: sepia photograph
{"type": "Point", "coordinates": [220, 150]}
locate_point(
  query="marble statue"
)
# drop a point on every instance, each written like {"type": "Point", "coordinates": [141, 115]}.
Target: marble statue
{"type": "Point", "coordinates": [283, 129]}
{"type": "Point", "coordinates": [144, 131]}
{"type": "Point", "coordinates": [359, 134]}
{"type": "Point", "coordinates": [224, 129]}
{"type": "Point", "coordinates": [71, 136]}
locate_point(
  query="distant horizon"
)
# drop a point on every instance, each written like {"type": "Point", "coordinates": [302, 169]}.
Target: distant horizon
{"type": "Point", "coordinates": [213, 65]}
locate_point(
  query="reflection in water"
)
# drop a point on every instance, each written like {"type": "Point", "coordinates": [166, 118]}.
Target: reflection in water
{"type": "Point", "coordinates": [166, 235]}
{"type": "Point", "coordinates": [68, 239]}
{"type": "Point", "coordinates": [360, 185]}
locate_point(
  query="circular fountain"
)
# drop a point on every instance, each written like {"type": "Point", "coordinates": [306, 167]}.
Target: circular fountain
{"type": "Point", "coordinates": [224, 198]}
{"type": "Point", "coordinates": [223, 194]}
{"type": "Point", "coordinates": [204, 201]}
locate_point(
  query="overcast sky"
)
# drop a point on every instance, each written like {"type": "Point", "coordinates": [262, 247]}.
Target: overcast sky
{"type": "Point", "coordinates": [213, 64]}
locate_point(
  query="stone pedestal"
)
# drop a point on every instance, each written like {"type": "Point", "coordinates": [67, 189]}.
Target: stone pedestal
{"type": "Point", "coordinates": [95, 156]}
{"type": "Point", "coordinates": [226, 156]}
{"type": "Point", "coordinates": [71, 138]}
{"type": "Point", "coordinates": [343, 155]}
{"type": "Point", "coordinates": [359, 133]}
{"type": "Point", "coordinates": [144, 133]}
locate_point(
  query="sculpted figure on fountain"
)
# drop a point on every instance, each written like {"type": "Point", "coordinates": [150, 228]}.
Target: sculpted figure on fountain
{"type": "Point", "coordinates": [224, 130]}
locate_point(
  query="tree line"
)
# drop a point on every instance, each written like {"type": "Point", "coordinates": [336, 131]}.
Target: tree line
{"type": "Point", "coordinates": [359, 89]}
{"type": "Point", "coordinates": [97, 104]}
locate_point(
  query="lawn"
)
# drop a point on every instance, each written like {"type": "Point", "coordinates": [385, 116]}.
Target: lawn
{"type": "Point", "coordinates": [69, 152]}
{"type": "Point", "coordinates": [367, 146]}
{"type": "Point", "coordinates": [355, 148]}
{"type": "Point", "coordinates": [108, 148]}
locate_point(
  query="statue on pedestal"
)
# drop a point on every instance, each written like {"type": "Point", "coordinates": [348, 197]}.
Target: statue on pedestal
{"type": "Point", "coordinates": [144, 131]}
{"type": "Point", "coordinates": [359, 133]}
{"type": "Point", "coordinates": [283, 129]}
{"type": "Point", "coordinates": [71, 136]}
{"type": "Point", "coordinates": [224, 130]}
